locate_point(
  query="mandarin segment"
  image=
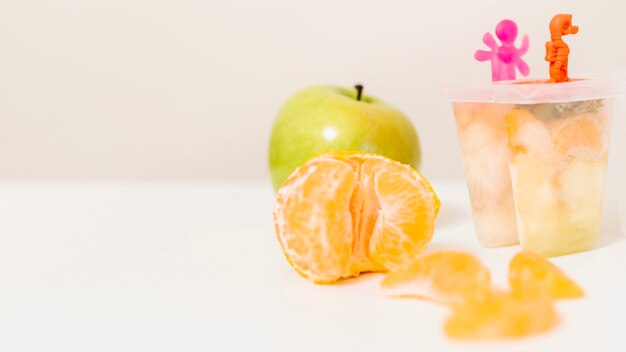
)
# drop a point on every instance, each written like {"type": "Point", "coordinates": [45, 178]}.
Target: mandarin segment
{"type": "Point", "coordinates": [449, 277]}
{"type": "Point", "coordinates": [514, 121]}
{"type": "Point", "coordinates": [317, 202]}
{"type": "Point", "coordinates": [503, 315]}
{"type": "Point", "coordinates": [578, 133]}
{"type": "Point", "coordinates": [406, 219]}
{"type": "Point", "coordinates": [530, 272]}
{"type": "Point", "coordinates": [478, 310]}
{"type": "Point", "coordinates": [341, 214]}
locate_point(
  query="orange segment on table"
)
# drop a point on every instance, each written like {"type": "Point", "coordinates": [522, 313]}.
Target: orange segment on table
{"type": "Point", "coordinates": [503, 315]}
{"type": "Point", "coordinates": [529, 271]}
{"type": "Point", "coordinates": [449, 277]}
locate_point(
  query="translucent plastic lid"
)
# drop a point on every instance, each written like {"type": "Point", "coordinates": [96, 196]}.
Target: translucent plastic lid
{"type": "Point", "coordinates": [536, 91]}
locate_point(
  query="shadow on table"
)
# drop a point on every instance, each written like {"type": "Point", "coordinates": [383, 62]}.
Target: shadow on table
{"type": "Point", "coordinates": [439, 246]}
{"type": "Point", "coordinates": [608, 237]}
{"type": "Point", "coordinates": [364, 277]}
{"type": "Point", "coordinates": [450, 214]}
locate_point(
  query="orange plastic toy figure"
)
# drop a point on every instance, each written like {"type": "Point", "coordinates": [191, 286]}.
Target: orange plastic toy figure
{"type": "Point", "coordinates": [557, 50]}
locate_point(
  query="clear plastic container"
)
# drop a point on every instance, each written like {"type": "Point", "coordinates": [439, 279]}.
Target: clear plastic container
{"type": "Point", "coordinates": [535, 158]}
{"type": "Point", "coordinates": [622, 204]}
{"type": "Point", "coordinates": [619, 152]}
{"type": "Point", "coordinates": [620, 158]}
{"type": "Point", "coordinates": [482, 137]}
{"type": "Point", "coordinates": [622, 201]}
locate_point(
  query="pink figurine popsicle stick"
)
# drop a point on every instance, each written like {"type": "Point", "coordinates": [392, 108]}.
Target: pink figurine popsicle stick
{"type": "Point", "coordinates": [505, 58]}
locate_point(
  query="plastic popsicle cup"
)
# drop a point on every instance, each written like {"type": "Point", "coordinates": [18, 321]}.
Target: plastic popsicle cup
{"type": "Point", "coordinates": [481, 131]}
{"type": "Point", "coordinates": [554, 139]}
{"type": "Point", "coordinates": [482, 138]}
{"type": "Point", "coordinates": [622, 200]}
{"type": "Point", "coordinates": [619, 146]}
{"type": "Point", "coordinates": [558, 167]}
{"type": "Point", "coordinates": [621, 169]}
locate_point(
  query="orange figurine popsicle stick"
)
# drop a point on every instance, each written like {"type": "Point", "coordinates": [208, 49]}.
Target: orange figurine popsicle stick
{"type": "Point", "coordinates": [557, 51]}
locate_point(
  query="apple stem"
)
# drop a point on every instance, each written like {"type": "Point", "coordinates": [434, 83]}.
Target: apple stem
{"type": "Point", "coordinates": [359, 90]}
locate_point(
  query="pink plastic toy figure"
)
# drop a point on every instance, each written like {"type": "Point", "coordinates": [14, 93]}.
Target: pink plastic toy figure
{"type": "Point", "coordinates": [504, 58]}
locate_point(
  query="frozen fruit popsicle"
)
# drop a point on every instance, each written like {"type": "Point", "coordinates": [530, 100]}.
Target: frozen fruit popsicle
{"type": "Point", "coordinates": [535, 153]}
{"type": "Point", "coordinates": [482, 137]}
{"type": "Point", "coordinates": [558, 166]}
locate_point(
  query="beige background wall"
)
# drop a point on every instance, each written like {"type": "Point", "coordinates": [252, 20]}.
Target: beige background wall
{"type": "Point", "coordinates": [180, 89]}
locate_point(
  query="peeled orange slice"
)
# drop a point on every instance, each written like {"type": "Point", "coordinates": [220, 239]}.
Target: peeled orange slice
{"type": "Point", "coordinates": [514, 121]}
{"type": "Point", "coordinates": [448, 276]}
{"type": "Point", "coordinates": [502, 315]}
{"type": "Point", "coordinates": [565, 135]}
{"type": "Point", "coordinates": [582, 132]}
{"type": "Point", "coordinates": [531, 272]}
{"type": "Point", "coordinates": [341, 214]}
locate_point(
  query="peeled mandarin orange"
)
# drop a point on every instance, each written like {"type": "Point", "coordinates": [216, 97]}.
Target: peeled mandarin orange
{"type": "Point", "coordinates": [341, 214]}
{"type": "Point", "coordinates": [502, 315]}
{"type": "Point", "coordinates": [529, 271]}
{"type": "Point", "coordinates": [450, 277]}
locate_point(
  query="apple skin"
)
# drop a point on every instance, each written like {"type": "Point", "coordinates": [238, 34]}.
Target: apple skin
{"type": "Point", "coordinates": [323, 118]}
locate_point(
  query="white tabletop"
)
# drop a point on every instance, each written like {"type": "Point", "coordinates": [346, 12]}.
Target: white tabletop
{"type": "Point", "coordinates": [196, 267]}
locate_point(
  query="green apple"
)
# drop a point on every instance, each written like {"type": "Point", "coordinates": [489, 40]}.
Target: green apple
{"type": "Point", "coordinates": [323, 118]}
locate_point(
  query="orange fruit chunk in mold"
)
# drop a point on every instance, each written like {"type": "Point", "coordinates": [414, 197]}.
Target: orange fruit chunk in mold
{"type": "Point", "coordinates": [582, 132]}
